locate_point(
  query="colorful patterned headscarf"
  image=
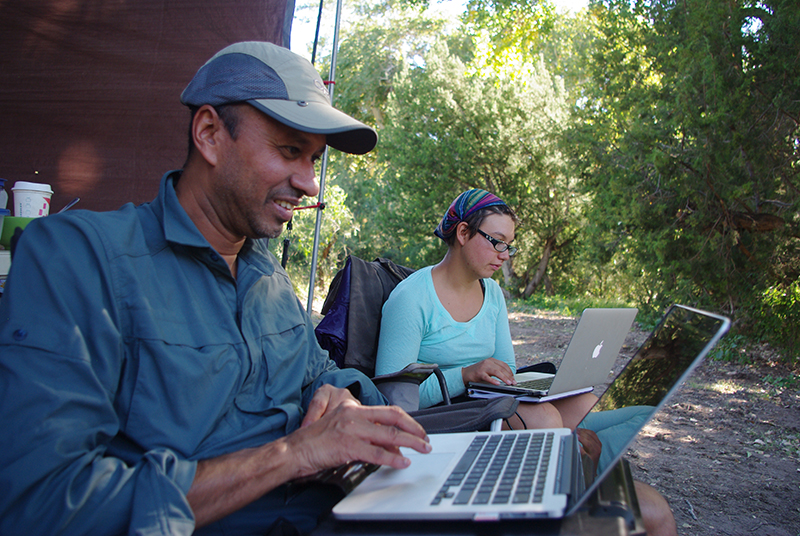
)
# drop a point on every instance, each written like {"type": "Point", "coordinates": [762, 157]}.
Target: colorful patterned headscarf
{"type": "Point", "coordinates": [465, 205]}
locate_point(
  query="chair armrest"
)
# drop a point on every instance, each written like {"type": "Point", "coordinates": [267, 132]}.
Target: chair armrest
{"type": "Point", "coordinates": [414, 373]}
{"type": "Point", "coordinates": [401, 388]}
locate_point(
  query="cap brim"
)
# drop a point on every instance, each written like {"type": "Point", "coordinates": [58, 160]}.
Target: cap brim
{"type": "Point", "coordinates": [343, 132]}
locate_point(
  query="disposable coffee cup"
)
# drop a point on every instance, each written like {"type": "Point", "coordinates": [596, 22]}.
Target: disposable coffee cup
{"type": "Point", "coordinates": [31, 199]}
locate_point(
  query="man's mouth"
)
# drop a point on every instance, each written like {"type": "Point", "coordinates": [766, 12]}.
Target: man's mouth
{"type": "Point", "coordinates": [285, 209]}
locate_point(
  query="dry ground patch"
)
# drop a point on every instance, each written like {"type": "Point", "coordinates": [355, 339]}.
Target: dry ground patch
{"type": "Point", "coordinates": [725, 451]}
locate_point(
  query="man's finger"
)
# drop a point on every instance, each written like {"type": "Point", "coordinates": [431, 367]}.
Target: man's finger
{"type": "Point", "coordinates": [325, 399]}
{"type": "Point", "coordinates": [381, 444]}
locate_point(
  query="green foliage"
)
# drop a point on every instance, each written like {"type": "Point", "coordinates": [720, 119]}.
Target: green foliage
{"type": "Point", "coordinates": [778, 316]}
{"type": "Point", "coordinates": [520, 25]}
{"type": "Point", "coordinates": [453, 126]}
{"type": "Point", "coordinates": [337, 227]}
{"type": "Point", "coordinates": [733, 348]}
{"type": "Point", "coordinates": [371, 53]}
{"type": "Point", "coordinates": [783, 382]}
{"type": "Point", "coordinates": [566, 305]}
{"type": "Point", "coordinates": [674, 179]}
{"type": "Point", "coordinates": [688, 147]}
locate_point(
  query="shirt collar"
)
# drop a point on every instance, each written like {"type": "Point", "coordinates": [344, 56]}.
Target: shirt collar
{"type": "Point", "coordinates": [178, 226]}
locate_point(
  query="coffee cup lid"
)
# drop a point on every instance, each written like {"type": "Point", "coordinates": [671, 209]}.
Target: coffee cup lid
{"type": "Point", "coordinates": [22, 185]}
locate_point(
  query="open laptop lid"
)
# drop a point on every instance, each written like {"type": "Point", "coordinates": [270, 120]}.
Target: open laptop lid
{"type": "Point", "coordinates": [593, 349]}
{"type": "Point", "coordinates": [587, 362]}
{"type": "Point", "coordinates": [668, 356]}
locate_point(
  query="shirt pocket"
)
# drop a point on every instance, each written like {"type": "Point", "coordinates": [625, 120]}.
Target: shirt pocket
{"type": "Point", "coordinates": [181, 386]}
{"type": "Point", "coordinates": [276, 330]}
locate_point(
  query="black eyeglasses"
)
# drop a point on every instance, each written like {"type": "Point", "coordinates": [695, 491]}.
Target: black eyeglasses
{"type": "Point", "coordinates": [499, 245]}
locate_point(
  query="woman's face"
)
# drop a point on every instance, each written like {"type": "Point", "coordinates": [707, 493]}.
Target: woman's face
{"type": "Point", "coordinates": [479, 252]}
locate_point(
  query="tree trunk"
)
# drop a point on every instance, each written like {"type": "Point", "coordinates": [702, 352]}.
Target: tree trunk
{"type": "Point", "coordinates": [508, 273]}
{"type": "Point", "coordinates": [536, 280]}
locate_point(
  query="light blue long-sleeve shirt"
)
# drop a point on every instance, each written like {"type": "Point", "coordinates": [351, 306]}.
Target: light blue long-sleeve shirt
{"type": "Point", "coordinates": [416, 328]}
{"type": "Point", "coordinates": [127, 354]}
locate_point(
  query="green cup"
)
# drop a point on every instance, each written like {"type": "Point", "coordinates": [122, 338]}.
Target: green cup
{"type": "Point", "coordinates": [10, 223]}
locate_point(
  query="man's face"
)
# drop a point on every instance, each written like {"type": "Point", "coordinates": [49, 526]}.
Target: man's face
{"type": "Point", "coordinates": [264, 173]}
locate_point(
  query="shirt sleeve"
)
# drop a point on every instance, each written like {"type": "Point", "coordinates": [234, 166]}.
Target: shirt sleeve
{"type": "Point", "coordinates": [402, 330]}
{"type": "Point", "coordinates": [403, 327]}
{"type": "Point", "coordinates": [60, 358]}
{"type": "Point", "coordinates": [354, 380]}
{"type": "Point", "coordinates": [431, 394]}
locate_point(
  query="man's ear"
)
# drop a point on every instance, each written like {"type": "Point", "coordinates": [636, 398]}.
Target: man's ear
{"type": "Point", "coordinates": [207, 127]}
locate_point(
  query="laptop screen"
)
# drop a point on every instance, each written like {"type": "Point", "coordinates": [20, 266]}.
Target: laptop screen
{"type": "Point", "coordinates": [671, 352]}
{"type": "Point", "coordinates": [677, 344]}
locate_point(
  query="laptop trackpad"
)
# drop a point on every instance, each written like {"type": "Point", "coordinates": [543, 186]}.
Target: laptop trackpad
{"type": "Point", "coordinates": [399, 489]}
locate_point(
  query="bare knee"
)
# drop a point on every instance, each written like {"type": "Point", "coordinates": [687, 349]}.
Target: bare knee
{"type": "Point", "coordinates": [574, 408]}
{"type": "Point", "coordinates": [530, 416]}
{"type": "Point", "coordinates": [656, 513]}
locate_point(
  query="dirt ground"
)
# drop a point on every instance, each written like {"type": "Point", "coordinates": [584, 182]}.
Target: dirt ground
{"type": "Point", "coordinates": [725, 451]}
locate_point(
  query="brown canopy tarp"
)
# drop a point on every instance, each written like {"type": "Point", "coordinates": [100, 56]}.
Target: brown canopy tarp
{"type": "Point", "coordinates": [89, 89]}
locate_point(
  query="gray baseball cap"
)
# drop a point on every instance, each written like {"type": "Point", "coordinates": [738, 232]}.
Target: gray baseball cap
{"type": "Point", "coordinates": [283, 85]}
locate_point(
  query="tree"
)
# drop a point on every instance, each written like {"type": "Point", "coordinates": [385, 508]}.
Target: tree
{"type": "Point", "coordinates": [451, 126]}
{"type": "Point", "coordinates": [502, 117]}
{"type": "Point", "coordinates": [689, 147]}
{"type": "Point", "coordinates": [520, 25]}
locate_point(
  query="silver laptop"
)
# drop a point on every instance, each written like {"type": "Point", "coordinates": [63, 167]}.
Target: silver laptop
{"type": "Point", "coordinates": [590, 356]}
{"type": "Point", "coordinates": [469, 476]}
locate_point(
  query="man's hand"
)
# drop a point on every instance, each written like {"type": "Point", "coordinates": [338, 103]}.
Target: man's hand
{"type": "Point", "coordinates": [338, 429]}
{"type": "Point", "coordinates": [326, 398]}
{"type": "Point", "coordinates": [590, 444]}
{"type": "Point", "coordinates": [489, 370]}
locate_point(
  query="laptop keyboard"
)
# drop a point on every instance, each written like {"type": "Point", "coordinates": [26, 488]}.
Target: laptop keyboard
{"type": "Point", "coordinates": [500, 469]}
{"type": "Point", "coordinates": [542, 384]}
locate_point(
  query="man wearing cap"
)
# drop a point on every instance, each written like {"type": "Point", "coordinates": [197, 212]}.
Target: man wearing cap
{"type": "Point", "coordinates": [158, 375]}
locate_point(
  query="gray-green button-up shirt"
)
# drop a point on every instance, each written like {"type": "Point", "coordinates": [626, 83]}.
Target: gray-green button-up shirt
{"type": "Point", "coordinates": [127, 353]}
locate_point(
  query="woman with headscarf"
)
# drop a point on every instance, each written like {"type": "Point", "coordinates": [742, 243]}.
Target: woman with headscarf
{"type": "Point", "coordinates": [453, 314]}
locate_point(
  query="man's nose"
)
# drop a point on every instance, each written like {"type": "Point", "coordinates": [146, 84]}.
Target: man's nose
{"type": "Point", "coordinates": [305, 180]}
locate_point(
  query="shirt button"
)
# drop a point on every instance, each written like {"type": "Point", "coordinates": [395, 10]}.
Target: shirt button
{"type": "Point", "coordinates": [214, 257]}
{"type": "Point", "coordinates": [20, 335]}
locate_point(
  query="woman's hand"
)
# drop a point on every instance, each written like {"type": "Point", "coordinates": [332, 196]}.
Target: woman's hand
{"type": "Point", "coordinates": [489, 370]}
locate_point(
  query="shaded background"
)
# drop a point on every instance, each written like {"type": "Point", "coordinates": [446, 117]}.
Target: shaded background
{"type": "Point", "coordinates": [89, 89]}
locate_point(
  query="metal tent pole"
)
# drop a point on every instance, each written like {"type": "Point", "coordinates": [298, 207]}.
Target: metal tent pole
{"type": "Point", "coordinates": [324, 168]}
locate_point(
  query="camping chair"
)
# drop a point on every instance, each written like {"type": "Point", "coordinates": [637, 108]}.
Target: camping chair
{"type": "Point", "coordinates": [350, 332]}
{"type": "Point", "coordinates": [352, 324]}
